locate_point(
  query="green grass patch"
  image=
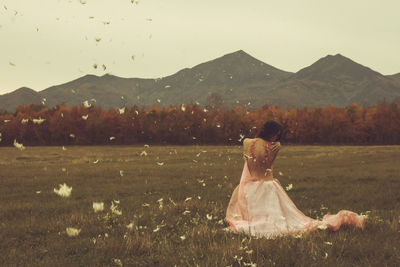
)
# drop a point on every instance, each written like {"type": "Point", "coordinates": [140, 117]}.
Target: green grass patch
{"type": "Point", "coordinates": [185, 228]}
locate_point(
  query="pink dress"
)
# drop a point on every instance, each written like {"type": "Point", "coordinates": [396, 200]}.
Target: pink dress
{"type": "Point", "coordinates": [259, 206]}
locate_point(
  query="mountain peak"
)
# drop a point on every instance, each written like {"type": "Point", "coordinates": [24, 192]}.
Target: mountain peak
{"type": "Point", "coordinates": [239, 54]}
{"type": "Point", "coordinates": [336, 58]}
{"type": "Point", "coordinates": [21, 96]}
{"type": "Point", "coordinates": [25, 90]}
{"type": "Point", "coordinates": [89, 76]}
{"type": "Point", "coordinates": [244, 61]}
{"type": "Point", "coordinates": [337, 65]}
{"type": "Point", "coordinates": [109, 76]}
{"type": "Point", "coordinates": [229, 70]}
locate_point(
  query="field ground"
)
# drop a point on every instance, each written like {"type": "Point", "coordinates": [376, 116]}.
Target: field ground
{"type": "Point", "coordinates": [172, 231]}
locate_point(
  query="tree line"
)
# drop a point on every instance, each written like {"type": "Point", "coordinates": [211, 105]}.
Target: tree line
{"type": "Point", "coordinates": [192, 124]}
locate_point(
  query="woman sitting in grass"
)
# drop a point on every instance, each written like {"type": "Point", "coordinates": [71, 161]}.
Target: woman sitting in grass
{"type": "Point", "coordinates": [260, 206]}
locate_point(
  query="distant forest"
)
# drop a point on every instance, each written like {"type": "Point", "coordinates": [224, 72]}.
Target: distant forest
{"type": "Point", "coordinates": [34, 125]}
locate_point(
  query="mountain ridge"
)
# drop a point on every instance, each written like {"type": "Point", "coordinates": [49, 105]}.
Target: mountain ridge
{"type": "Point", "coordinates": [237, 78]}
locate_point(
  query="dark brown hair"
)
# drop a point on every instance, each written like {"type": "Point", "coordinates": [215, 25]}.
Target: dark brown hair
{"type": "Point", "coordinates": [269, 129]}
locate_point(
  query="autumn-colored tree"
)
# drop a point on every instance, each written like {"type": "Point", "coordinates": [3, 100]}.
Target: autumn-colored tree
{"type": "Point", "coordinates": [193, 124]}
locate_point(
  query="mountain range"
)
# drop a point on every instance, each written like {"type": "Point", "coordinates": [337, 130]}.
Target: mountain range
{"type": "Point", "coordinates": [236, 79]}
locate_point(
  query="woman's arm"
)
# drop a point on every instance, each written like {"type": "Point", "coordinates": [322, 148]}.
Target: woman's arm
{"type": "Point", "coordinates": [245, 147]}
{"type": "Point", "coordinates": [275, 146]}
{"type": "Point", "coordinates": [276, 180]}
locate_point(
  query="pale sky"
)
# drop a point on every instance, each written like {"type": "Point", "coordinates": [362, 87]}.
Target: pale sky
{"type": "Point", "coordinates": [50, 42]}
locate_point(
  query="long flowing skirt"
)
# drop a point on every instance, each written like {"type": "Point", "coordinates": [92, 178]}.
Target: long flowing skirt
{"type": "Point", "coordinates": [263, 208]}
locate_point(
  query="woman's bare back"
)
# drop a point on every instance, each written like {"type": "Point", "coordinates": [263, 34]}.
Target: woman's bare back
{"type": "Point", "coordinates": [260, 155]}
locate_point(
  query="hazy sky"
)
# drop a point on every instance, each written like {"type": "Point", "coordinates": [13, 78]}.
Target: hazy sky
{"type": "Point", "coordinates": [49, 42]}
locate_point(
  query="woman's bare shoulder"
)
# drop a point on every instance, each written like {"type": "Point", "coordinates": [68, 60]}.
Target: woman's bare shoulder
{"type": "Point", "coordinates": [247, 141]}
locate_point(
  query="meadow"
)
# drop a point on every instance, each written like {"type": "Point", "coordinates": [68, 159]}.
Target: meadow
{"type": "Point", "coordinates": [173, 201]}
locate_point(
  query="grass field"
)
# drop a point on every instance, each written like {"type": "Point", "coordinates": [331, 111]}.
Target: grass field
{"type": "Point", "coordinates": [172, 231]}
